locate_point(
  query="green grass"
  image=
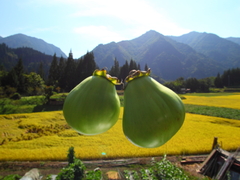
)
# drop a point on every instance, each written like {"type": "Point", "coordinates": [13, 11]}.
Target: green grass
{"type": "Point", "coordinates": [59, 96]}
{"type": "Point", "coordinates": [33, 104]}
{"type": "Point", "coordinates": [36, 104]}
{"type": "Point", "coordinates": [213, 111]}
{"type": "Point", "coordinates": [11, 177]}
{"type": "Point", "coordinates": [28, 100]}
{"type": "Point", "coordinates": [23, 105]}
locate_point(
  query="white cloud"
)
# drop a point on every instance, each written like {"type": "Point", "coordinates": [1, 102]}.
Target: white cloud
{"type": "Point", "coordinates": [132, 18]}
{"type": "Point", "coordinates": [137, 14]}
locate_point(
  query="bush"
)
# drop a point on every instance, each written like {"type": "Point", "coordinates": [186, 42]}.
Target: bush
{"type": "Point", "coordinates": [71, 155]}
{"type": "Point", "coordinates": [11, 177]}
{"type": "Point", "coordinates": [74, 171]}
{"type": "Point", "coordinates": [75, 168]}
{"type": "Point", "coordinates": [48, 92]}
{"type": "Point", "coordinates": [10, 90]}
{"type": "Point", "coordinates": [15, 96]}
{"type": "Point", "coordinates": [96, 175]}
{"type": "Point", "coordinates": [166, 170]}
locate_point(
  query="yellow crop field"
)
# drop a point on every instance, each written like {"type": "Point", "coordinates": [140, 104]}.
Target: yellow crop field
{"type": "Point", "coordinates": [229, 101]}
{"type": "Point", "coordinates": [45, 136]}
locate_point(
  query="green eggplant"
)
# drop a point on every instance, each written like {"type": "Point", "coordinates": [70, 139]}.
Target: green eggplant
{"type": "Point", "coordinates": [152, 112]}
{"type": "Point", "coordinates": [93, 106]}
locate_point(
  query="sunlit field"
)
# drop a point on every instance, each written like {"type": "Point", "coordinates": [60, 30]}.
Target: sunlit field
{"type": "Point", "coordinates": [45, 136]}
{"type": "Point", "coordinates": [212, 99]}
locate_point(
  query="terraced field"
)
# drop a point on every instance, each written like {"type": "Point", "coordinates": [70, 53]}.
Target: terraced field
{"type": "Point", "coordinates": [46, 136]}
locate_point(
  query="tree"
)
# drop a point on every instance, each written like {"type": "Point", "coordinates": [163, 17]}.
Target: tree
{"type": "Point", "coordinates": [12, 79]}
{"type": "Point", "coordinates": [115, 70]}
{"type": "Point", "coordinates": [85, 68]}
{"type": "Point", "coordinates": [79, 71]}
{"type": "Point", "coordinates": [176, 85]}
{"type": "Point", "coordinates": [20, 73]}
{"type": "Point", "coordinates": [124, 71]}
{"type": "Point", "coordinates": [71, 155]}
{"type": "Point", "coordinates": [41, 71]}
{"type": "Point", "coordinates": [204, 85]}
{"type": "Point", "coordinates": [226, 78]}
{"type": "Point", "coordinates": [88, 65]}
{"type": "Point", "coordinates": [139, 67]}
{"type": "Point", "coordinates": [193, 84]}
{"type": "Point", "coordinates": [61, 67]}
{"type": "Point", "coordinates": [230, 77]}
{"type": "Point", "coordinates": [53, 72]}
{"type": "Point", "coordinates": [234, 77]}
{"type": "Point", "coordinates": [218, 81]}
{"type": "Point", "coordinates": [146, 67]}
{"type": "Point", "coordinates": [171, 85]}
{"type": "Point", "coordinates": [180, 82]}
{"type": "Point", "coordinates": [69, 74]}
{"type": "Point", "coordinates": [3, 76]}
{"type": "Point", "coordinates": [34, 84]}
{"type": "Point", "coordinates": [15, 77]}
{"type": "Point", "coordinates": [74, 169]}
{"type": "Point", "coordinates": [132, 65]}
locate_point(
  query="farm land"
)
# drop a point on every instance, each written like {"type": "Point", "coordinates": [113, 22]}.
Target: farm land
{"type": "Point", "coordinates": [45, 136]}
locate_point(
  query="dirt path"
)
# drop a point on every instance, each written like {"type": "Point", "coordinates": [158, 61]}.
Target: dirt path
{"type": "Point", "coordinates": [118, 165]}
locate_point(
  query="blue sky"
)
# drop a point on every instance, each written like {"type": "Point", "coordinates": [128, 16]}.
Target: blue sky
{"type": "Point", "coordinates": [81, 25]}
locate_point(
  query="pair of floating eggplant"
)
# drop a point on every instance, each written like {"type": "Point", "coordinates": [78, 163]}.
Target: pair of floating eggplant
{"type": "Point", "coordinates": [152, 113]}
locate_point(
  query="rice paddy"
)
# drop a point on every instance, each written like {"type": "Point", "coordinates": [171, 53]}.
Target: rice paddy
{"type": "Point", "coordinates": [46, 136]}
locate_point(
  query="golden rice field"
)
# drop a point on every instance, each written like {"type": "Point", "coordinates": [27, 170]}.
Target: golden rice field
{"type": "Point", "coordinates": [195, 137]}
{"type": "Point", "coordinates": [228, 101]}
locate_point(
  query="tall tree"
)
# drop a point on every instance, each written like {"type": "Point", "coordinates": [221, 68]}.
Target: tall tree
{"type": "Point", "coordinates": [88, 64]}
{"type": "Point", "coordinates": [53, 72]}
{"type": "Point", "coordinates": [132, 65]}
{"type": "Point", "coordinates": [79, 71]}
{"type": "Point", "coordinates": [12, 79]}
{"type": "Point", "coordinates": [230, 77]}
{"type": "Point", "coordinates": [193, 84]}
{"type": "Point", "coordinates": [236, 76]}
{"type": "Point", "coordinates": [61, 67]}
{"type": "Point", "coordinates": [41, 71]}
{"type": "Point", "coordinates": [3, 76]}
{"type": "Point", "coordinates": [138, 67]}
{"type": "Point", "coordinates": [204, 85]}
{"type": "Point", "coordinates": [115, 69]}
{"type": "Point", "coordinates": [18, 71]}
{"type": "Point", "coordinates": [226, 78]}
{"type": "Point", "coordinates": [124, 71]}
{"type": "Point", "coordinates": [218, 81]}
{"type": "Point", "coordinates": [69, 73]}
{"type": "Point", "coordinates": [146, 67]}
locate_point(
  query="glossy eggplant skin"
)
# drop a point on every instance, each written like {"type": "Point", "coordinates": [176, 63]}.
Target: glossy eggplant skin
{"type": "Point", "coordinates": [93, 106]}
{"type": "Point", "coordinates": [152, 113]}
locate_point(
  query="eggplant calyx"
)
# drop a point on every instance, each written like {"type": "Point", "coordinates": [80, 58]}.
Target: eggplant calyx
{"type": "Point", "coordinates": [133, 74]}
{"type": "Point", "coordinates": [103, 73]}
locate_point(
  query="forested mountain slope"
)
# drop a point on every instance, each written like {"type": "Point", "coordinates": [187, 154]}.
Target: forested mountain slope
{"type": "Point", "coordinates": [21, 40]}
{"type": "Point", "coordinates": [166, 57]}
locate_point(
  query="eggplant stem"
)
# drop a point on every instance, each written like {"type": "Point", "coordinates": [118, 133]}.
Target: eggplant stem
{"type": "Point", "coordinates": [103, 73]}
{"type": "Point", "coordinates": [133, 74]}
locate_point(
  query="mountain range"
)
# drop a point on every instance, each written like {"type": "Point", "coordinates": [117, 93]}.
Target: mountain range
{"type": "Point", "coordinates": [222, 50]}
{"type": "Point", "coordinates": [194, 54]}
{"type": "Point", "coordinates": [21, 40]}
